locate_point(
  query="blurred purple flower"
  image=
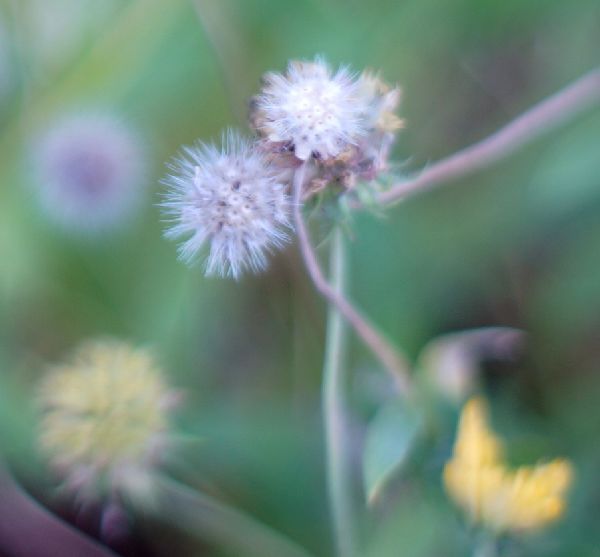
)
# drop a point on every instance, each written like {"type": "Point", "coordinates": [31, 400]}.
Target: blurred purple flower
{"type": "Point", "coordinates": [88, 172]}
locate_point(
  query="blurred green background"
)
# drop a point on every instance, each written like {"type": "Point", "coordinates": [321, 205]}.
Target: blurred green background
{"type": "Point", "coordinates": [517, 245]}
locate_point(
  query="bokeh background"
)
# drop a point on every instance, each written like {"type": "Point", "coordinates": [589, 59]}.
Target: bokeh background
{"type": "Point", "coordinates": [515, 245]}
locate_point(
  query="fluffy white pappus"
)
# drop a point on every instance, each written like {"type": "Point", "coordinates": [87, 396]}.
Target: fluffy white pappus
{"type": "Point", "coordinates": [316, 110]}
{"type": "Point", "coordinates": [89, 170]}
{"type": "Point", "coordinates": [232, 198]}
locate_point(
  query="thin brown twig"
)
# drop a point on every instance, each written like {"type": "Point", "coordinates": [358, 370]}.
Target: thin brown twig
{"type": "Point", "coordinates": [391, 360]}
{"type": "Point", "coordinates": [543, 117]}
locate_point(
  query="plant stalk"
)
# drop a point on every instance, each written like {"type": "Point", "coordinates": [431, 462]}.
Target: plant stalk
{"type": "Point", "coordinates": [27, 529]}
{"type": "Point", "coordinates": [391, 359]}
{"type": "Point", "coordinates": [547, 115]}
{"type": "Point", "coordinates": [339, 470]}
{"type": "Point", "coordinates": [200, 515]}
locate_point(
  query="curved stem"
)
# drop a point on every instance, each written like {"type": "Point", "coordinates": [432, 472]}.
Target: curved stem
{"type": "Point", "coordinates": [542, 118]}
{"type": "Point", "coordinates": [339, 470]}
{"type": "Point", "coordinates": [29, 530]}
{"type": "Point", "coordinates": [391, 360]}
{"type": "Point", "coordinates": [226, 527]}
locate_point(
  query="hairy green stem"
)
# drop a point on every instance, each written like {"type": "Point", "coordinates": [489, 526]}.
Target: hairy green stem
{"type": "Point", "coordinates": [213, 521]}
{"type": "Point", "coordinates": [339, 473]}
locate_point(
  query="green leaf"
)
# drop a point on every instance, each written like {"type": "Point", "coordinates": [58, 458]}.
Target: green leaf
{"type": "Point", "coordinates": [390, 439]}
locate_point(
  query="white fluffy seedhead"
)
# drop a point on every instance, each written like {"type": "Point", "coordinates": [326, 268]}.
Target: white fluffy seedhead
{"type": "Point", "coordinates": [88, 172]}
{"type": "Point", "coordinates": [233, 199]}
{"type": "Point", "coordinates": [316, 111]}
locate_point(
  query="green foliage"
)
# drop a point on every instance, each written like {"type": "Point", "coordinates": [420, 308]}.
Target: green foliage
{"type": "Point", "coordinates": [390, 438]}
{"type": "Point", "coordinates": [516, 245]}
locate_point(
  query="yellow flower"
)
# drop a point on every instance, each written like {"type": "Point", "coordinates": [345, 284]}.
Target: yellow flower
{"type": "Point", "coordinates": [476, 444]}
{"type": "Point", "coordinates": [104, 415]}
{"type": "Point", "coordinates": [478, 479]}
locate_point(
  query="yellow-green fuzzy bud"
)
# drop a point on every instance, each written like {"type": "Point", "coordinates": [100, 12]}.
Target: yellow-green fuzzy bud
{"type": "Point", "coordinates": [104, 416]}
